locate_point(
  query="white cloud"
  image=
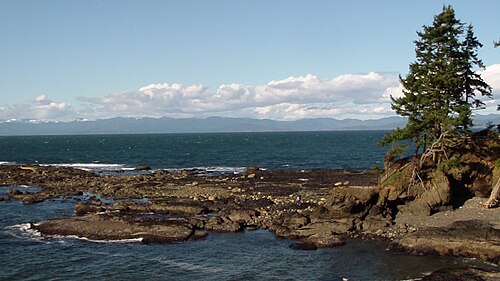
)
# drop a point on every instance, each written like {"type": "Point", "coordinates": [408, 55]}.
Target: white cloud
{"type": "Point", "coordinates": [363, 96]}
{"type": "Point", "coordinates": [491, 75]}
{"type": "Point", "coordinates": [288, 111]}
{"type": "Point", "coordinates": [41, 108]}
{"type": "Point", "coordinates": [289, 98]}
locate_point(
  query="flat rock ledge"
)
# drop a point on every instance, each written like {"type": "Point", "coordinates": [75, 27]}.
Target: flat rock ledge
{"type": "Point", "coordinates": [109, 227]}
{"type": "Point", "coordinates": [472, 238]}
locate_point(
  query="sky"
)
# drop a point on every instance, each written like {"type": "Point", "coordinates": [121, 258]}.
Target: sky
{"type": "Point", "coordinates": [285, 60]}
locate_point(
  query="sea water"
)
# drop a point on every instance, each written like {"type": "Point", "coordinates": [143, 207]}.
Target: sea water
{"type": "Point", "coordinates": [247, 255]}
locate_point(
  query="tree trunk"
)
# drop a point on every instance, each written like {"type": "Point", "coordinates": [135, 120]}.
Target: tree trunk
{"type": "Point", "coordinates": [494, 199]}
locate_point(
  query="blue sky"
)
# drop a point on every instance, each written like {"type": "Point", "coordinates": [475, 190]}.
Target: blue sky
{"type": "Point", "coordinates": [63, 60]}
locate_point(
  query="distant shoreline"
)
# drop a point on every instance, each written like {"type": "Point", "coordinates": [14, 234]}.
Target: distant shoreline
{"type": "Point", "coordinates": [165, 125]}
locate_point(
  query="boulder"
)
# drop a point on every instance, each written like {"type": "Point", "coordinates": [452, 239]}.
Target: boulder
{"type": "Point", "coordinates": [242, 216]}
{"type": "Point", "coordinates": [252, 170]}
{"type": "Point", "coordinates": [306, 246]}
{"type": "Point", "coordinates": [345, 203]}
{"type": "Point", "coordinates": [84, 208]}
{"type": "Point", "coordinates": [142, 168]}
{"type": "Point", "coordinates": [324, 240]}
{"type": "Point", "coordinates": [199, 235]}
{"type": "Point", "coordinates": [13, 192]}
{"type": "Point", "coordinates": [31, 199]}
{"type": "Point", "coordinates": [218, 224]}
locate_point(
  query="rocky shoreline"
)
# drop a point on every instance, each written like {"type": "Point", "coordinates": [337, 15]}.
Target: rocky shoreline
{"type": "Point", "coordinates": [162, 206]}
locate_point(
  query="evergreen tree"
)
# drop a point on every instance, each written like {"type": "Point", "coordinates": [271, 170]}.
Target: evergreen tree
{"type": "Point", "coordinates": [441, 88]}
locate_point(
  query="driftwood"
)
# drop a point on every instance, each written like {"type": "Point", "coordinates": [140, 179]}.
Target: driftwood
{"type": "Point", "coordinates": [494, 199]}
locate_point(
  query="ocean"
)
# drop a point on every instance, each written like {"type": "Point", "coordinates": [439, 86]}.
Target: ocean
{"type": "Point", "coordinates": [247, 255]}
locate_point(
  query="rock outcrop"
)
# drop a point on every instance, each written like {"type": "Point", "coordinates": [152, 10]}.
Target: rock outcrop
{"type": "Point", "coordinates": [472, 238]}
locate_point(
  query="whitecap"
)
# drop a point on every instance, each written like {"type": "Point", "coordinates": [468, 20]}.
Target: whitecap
{"type": "Point", "coordinates": [213, 169]}
{"type": "Point", "coordinates": [91, 166]}
{"type": "Point", "coordinates": [26, 230]}
{"type": "Point", "coordinates": [121, 241]}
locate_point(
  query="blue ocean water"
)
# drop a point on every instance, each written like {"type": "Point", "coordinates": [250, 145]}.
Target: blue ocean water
{"type": "Point", "coordinates": [248, 255]}
{"type": "Point", "coordinates": [279, 150]}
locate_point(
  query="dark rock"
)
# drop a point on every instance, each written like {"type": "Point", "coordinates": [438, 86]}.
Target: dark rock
{"type": "Point", "coordinates": [243, 216]}
{"type": "Point", "coordinates": [307, 246]}
{"type": "Point", "coordinates": [142, 168]}
{"type": "Point", "coordinates": [470, 239]}
{"type": "Point", "coordinates": [177, 208]}
{"type": "Point", "coordinates": [105, 227]}
{"type": "Point", "coordinates": [346, 202]}
{"type": "Point", "coordinates": [324, 240]}
{"type": "Point", "coordinates": [85, 208]}
{"type": "Point", "coordinates": [217, 224]}
{"type": "Point", "coordinates": [462, 274]}
{"type": "Point", "coordinates": [199, 235]}
{"type": "Point", "coordinates": [28, 200]}
{"type": "Point", "coordinates": [13, 192]}
{"type": "Point", "coordinates": [252, 170]}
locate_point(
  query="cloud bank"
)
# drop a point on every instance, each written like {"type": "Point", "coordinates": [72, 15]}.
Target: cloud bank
{"type": "Point", "coordinates": [362, 96]}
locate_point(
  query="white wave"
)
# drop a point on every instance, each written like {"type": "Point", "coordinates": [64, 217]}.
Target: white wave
{"type": "Point", "coordinates": [214, 169]}
{"type": "Point", "coordinates": [6, 163]}
{"type": "Point", "coordinates": [131, 240]}
{"type": "Point", "coordinates": [92, 166]}
{"type": "Point", "coordinates": [26, 229]}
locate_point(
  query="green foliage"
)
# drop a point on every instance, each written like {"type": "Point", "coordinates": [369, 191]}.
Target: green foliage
{"type": "Point", "coordinates": [497, 163]}
{"type": "Point", "coordinates": [392, 178]}
{"type": "Point", "coordinates": [441, 89]}
{"type": "Point", "coordinates": [449, 164]}
{"type": "Point", "coordinates": [377, 168]}
{"type": "Point", "coordinates": [395, 153]}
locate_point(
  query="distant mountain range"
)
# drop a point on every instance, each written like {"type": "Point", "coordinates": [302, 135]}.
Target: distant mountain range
{"type": "Point", "coordinates": [122, 125]}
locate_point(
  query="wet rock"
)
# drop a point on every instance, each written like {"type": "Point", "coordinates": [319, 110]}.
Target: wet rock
{"type": "Point", "coordinates": [199, 235]}
{"type": "Point", "coordinates": [462, 274]}
{"type": "Point", "coordinates": [142, 168]}
{"type": "Point", "coordinates": [306, 246]}
{"type": "Point", "coordinates": [13, 192]}
{"type": "Point", "coordinates": [86, 208]}
{"type": "Point", "coordinates": [28, 200]}
{"type": "Point", "coordinates": [252, 170]}
{"type": "Point", "coordinates": [324, 240]}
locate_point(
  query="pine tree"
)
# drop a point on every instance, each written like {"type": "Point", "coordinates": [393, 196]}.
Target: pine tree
{"type": "Point", "coordinates": [442, 87]}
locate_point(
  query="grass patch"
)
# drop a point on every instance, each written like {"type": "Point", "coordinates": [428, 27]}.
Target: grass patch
{"type": "Point", "coordinates": [392, 178]}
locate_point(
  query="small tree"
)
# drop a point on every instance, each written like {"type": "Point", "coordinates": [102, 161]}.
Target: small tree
{"type": "Point", "coordinates": [442, 87]}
